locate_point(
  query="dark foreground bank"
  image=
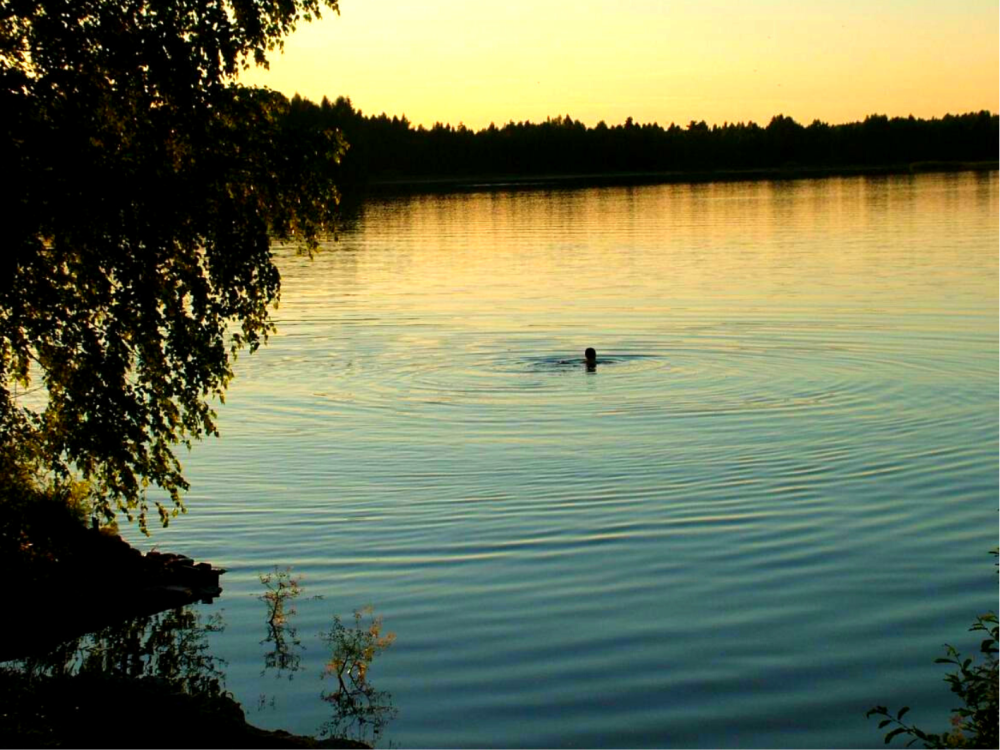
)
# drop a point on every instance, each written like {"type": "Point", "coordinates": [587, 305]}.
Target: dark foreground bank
{"type": "Point", "coordinates": [109, 711]}
{"type": "Point", "coordinates": [98, 579]}
{"type": "Point", "coordinates": [103, 650]}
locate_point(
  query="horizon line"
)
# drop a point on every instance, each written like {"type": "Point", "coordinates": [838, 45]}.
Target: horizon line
{"type": "Point", "coordinates": [563, 116]}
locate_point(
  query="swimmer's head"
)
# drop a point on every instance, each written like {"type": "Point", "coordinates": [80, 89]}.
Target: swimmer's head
{"type": "Point", "coordinates": [590, 355]}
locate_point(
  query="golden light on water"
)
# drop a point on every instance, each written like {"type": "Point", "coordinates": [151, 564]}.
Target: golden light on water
{"type": "Point", "coordinates": [500, 262]}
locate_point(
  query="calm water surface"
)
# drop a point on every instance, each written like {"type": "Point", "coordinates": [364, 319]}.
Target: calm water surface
{"type": "Point", "coordinates": [766, 509]}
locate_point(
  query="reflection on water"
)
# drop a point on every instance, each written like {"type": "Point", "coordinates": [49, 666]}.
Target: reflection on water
{"type": "Point", "coordinates": [174, 650]}
{"type": "Point", "coordinates": [777, 489]}
{"type": "Point", "coordinates": [169, 646]}
{"type": "Point", "coordinates": [360, 711]}
{"type": "Point", "coordinates": [281, 590]}
{"type": "Point", "coordinates": [120, 685]}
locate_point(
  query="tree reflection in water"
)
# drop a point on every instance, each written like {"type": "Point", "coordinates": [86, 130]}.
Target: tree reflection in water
{"type": "Point", "coordinates": [360, 711]}
{"type": "Point", "coordinates": [170, 646]}
{"type": "Point", "coordinates": [280, 592]}
{"type": "Point", "coordinates": [138, 671]}
{"type": "Point", "coordinates": [167, 654]}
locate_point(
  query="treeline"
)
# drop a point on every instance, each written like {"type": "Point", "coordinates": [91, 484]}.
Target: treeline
{"type": "Point", "coordinates": [383, 148]}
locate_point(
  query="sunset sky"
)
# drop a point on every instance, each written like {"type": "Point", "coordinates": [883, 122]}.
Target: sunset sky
{"type": "Point", "coordinates": [717, 60]}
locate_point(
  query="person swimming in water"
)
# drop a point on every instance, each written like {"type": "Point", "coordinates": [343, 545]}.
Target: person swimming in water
{"type": "Point", "coordinates": [589, 359]}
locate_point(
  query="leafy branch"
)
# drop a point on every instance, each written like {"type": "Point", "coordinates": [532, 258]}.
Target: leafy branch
{"type": "Point", "coordinates": [280, 592]}
{"type": "Point", "coordinates": [974, 723]}
{"type": "Point", "coordinates": [360, 710]}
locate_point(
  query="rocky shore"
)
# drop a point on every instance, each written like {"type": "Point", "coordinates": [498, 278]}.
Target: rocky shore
{"type": "Point", "coordinates": [97, 580]}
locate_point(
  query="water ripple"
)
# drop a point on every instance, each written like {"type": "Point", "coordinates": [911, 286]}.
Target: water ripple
{"type": "Point", "coordinates": [772, 498]}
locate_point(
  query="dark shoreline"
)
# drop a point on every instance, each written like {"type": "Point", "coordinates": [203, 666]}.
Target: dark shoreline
{"type": "Point", "coordinates": [149, 712]}
{"type": "Point", "coordinates": [490, 182]}
{"type": "Point", "coordinates": [101, 581]}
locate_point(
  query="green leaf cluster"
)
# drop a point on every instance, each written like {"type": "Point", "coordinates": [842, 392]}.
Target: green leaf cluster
{"type": "Point", "coordinates": [281, 590]}
{"type": "Point", "coordinates": [975, 682]}
{"type": "Point", "coordinates": [142, 187]}
{"type": "Point", "coordinates": [360, 711]}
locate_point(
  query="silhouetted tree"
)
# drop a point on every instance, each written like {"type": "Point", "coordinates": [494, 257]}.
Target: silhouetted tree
{"type": "Point", "coordinates": [141, 187]}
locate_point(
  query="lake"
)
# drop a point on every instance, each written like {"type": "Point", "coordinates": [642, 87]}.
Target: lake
{"type": "Point", "coordinates": [765, 510]}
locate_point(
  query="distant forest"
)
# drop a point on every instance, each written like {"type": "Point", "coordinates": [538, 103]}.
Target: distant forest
{"type": "Point", "coordinates": [386, 149]}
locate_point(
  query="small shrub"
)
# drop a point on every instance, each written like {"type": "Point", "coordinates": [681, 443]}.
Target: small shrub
{"type": "Point", "coordinates": [974, 723]}
{"type": "Point", "coordinates": [280, 592]}
{"type": "Point", "coordinates": [360, 712]}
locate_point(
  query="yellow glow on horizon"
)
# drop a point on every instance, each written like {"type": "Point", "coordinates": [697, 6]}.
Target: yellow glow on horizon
{"type": "Point", "coordinates": [716, 60]}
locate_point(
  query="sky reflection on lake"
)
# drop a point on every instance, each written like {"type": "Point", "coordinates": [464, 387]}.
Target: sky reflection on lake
{"type": "Point", "coordinates": [765, 514]}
